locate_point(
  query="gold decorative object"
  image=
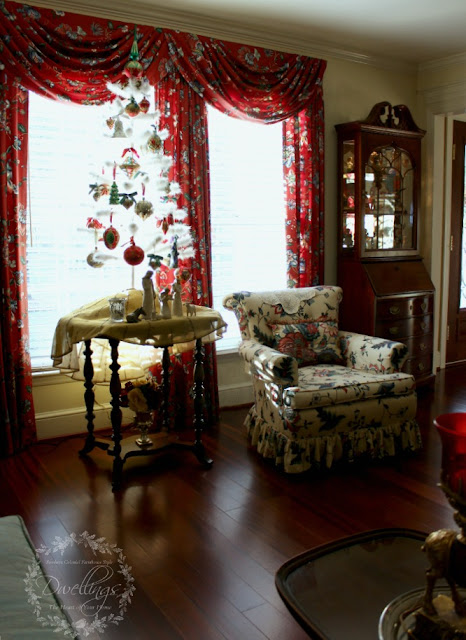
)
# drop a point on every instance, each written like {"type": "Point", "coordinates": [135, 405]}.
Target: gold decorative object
{"type": "Point", "coordinates": [144, 209]}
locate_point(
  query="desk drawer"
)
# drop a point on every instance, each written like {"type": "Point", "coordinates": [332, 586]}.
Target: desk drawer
{"type": "Point", "coordinates": [418, 367]}
{"type": "Point", "coordinates": [420, 345]}
{"type": "Point", "coordinates": [399, 329]}
{"type": "Point", "coordinates": [404, 307]}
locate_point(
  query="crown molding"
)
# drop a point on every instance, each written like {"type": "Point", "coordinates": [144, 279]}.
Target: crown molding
{"type": "Point", "coordinates": [443, 63]}
{"type": "Point", "coordinates": [209, 26]}
{"type": "Point", "coordinates": [446, 99]}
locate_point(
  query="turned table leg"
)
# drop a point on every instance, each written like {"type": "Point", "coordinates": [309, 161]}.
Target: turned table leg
{"type": "Point", "coordinates": [115, 414]}
{"type": "Point", "coordinates": [165, 407]}
{"type": "Point", "coordinates": [199, 404]}
{"type": "Point", "coordinates": [89, 397]}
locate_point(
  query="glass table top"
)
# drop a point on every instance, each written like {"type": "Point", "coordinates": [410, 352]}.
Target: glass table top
{"type": "Point", "coordinates": [339, 591]}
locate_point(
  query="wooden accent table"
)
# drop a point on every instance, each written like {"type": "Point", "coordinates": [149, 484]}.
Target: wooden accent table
{"type": "Point", "coordinates": [187, 332]}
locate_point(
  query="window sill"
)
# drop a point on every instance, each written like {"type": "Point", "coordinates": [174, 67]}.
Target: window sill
{"type": "Point", "coordinates": [44, 377]}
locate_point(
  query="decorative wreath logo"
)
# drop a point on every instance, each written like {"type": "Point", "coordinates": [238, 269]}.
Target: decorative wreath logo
{"type": "Point", "coordinates": [83, 627]}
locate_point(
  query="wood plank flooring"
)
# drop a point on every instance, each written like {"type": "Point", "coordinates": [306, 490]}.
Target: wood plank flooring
{"type": "Point", "coordinates": [204, 545]}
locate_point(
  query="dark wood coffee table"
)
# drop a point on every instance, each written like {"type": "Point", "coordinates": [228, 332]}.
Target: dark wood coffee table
{"type": "Point", "coordinates": [338, 591]}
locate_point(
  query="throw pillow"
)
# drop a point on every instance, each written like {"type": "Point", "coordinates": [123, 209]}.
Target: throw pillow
{"type": "Point", "coordinates": [309, 342]}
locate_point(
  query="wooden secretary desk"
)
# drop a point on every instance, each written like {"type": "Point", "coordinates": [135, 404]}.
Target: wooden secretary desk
{"type": "Point", "coordinates": [387, 291]}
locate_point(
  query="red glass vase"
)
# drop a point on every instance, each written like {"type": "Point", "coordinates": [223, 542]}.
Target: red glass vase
{"type": "Point", "coordinates": [452, 430]}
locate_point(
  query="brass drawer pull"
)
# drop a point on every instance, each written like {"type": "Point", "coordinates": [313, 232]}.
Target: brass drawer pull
{"type": "Point", "coordinates": [424, 306]}
{"type": "Point", "coordinates": [422, 347]}
{"type": "Point", "coordinates": [394, 310]}
{"type": "Point", "coordinates": [394, 330]}
{"type": "Point", "coordinates": [421, 366]}
{"type": "Point", "coordinates": [423, 326]}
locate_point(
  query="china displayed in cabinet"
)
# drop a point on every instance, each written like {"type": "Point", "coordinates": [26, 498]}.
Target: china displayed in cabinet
{"type": "Point", "coordinates": [387, 289]}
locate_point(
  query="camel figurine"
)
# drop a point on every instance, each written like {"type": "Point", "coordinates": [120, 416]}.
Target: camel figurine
{"type": "Point", "coordinates": [444, 551]}
{"type": "Point", "coordinates": [134, 316]}
{"type": "Point", "coordinates": [190, 309]}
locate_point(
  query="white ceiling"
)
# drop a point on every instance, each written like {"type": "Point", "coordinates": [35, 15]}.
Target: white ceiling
{"type": "Point", "coordinates": [411, 31]}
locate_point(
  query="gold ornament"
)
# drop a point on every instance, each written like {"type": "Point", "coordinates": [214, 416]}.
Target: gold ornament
{"type": "Point", "coordinates": [144, 209]}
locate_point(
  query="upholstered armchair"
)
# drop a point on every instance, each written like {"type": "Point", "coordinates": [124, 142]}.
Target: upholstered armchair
{"type": "Point", "coordinates": [321, 394]}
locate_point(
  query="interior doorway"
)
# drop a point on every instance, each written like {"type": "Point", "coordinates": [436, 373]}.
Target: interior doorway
{"type": "Point", "coordinates": [456, 331]}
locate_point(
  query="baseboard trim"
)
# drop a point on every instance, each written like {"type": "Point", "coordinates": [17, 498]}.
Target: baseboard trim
{"type": "Point", "coordinates": [68, 422]}
{"type": "Point", "coordinates": [235, 395]}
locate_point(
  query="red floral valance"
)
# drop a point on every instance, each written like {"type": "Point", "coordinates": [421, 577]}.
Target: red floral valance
{"type": "Point", "coordinates": [238, 79]}
{"type": "Point", "coordinates": [71, 57]}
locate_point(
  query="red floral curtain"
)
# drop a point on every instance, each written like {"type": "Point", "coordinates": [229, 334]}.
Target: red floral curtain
{"type": "Point", "coordinates": [17, 422]}
{"type": "Point", "coordinates": [71, 57]}
{"type": "Point", "coordinates": [267, 86]}
{"type": "Point", "coordinates": [303, 165]}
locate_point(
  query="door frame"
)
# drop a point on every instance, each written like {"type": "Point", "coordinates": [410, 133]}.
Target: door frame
{"type": "Point", "coordinates": [456, 318]}
{"type": "Point", "coordinates": [442, 200]}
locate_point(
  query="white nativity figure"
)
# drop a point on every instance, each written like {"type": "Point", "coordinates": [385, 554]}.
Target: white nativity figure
{"type": "Point", "coordinates": [164, 303]}
{"type": "Point", "coordinates": [148, 296]}
{"type": "Point", "coordinates": [177, 307]}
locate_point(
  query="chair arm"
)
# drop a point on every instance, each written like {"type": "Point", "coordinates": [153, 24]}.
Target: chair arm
{"type": "Point", "coordinates": [232, 302]}
{"type": "Point", "coordinates": [369, 353]}
{"type": "Point", "coordinates": [269, 364]}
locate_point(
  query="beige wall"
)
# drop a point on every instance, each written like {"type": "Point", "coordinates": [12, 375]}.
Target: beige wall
{"type": "Point", "coordinates": [350, 91]}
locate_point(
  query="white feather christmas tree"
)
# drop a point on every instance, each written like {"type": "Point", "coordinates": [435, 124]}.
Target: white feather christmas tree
{"type": "Point", "coordinates": [135, 203]}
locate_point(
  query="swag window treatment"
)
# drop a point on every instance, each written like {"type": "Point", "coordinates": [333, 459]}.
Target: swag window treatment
{"type": "Point", "coordinates": [72, 57]}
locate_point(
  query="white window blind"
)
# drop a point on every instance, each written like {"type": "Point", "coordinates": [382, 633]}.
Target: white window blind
{"type": "Point", "coordinates": [64, 142]}
{"type": "Point", "coordinates": [247, 211]}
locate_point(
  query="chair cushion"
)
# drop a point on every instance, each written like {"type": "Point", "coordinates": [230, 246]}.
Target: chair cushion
{"type": "Point", "coordinates": [309, 342]}
{"type": "Point", "coordinates": [323, 385]}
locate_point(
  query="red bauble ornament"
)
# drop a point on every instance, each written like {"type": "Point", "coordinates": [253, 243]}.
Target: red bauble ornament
{"type": "Point", "coordinates": [111, 237]}
{"type": "Point", "coordinates": [133, 255]}
{"type": "Point", "coordinates": [144, 105]}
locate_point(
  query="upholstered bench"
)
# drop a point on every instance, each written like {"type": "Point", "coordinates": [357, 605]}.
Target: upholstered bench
{"type": "Point", "coordinates": [18, 619]}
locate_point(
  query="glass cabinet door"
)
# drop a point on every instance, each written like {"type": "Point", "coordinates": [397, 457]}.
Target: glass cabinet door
{"type": "Point", "coordinates": [388, 200]}
{"type": "Point", "coordinates": [348, 195]}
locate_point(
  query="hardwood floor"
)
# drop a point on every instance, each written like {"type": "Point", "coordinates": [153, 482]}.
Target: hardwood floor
{"type": "Point", "coordinates": [204, 545]}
